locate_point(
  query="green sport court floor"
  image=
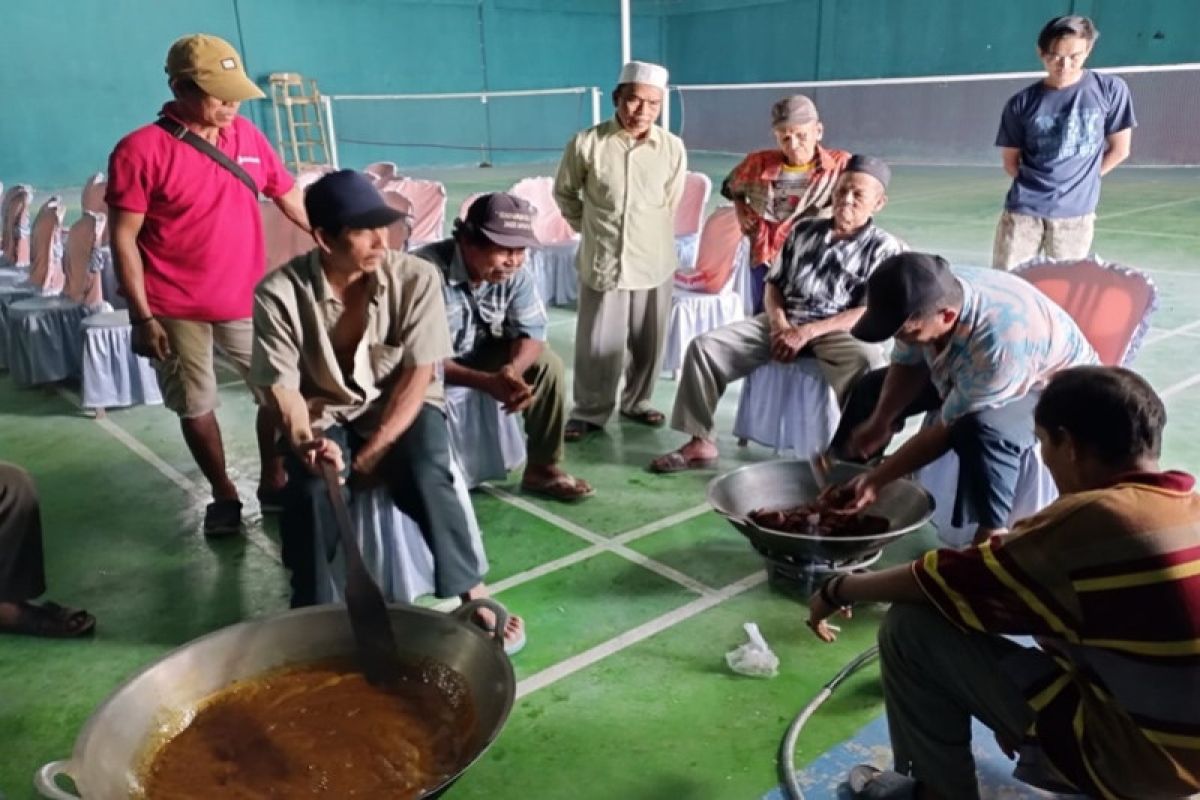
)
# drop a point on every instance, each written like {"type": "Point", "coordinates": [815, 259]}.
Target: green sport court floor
{"type": "Point", "coordinates": [632, 598]}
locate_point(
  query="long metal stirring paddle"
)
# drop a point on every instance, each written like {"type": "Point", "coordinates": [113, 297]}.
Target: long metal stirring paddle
{"type": "Point", "coordinates": [377, 654]}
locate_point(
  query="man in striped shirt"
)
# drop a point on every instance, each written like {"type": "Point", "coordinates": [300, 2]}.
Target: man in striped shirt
{"type": "Point", "coordinates": [815, 293]}
{"type": "Point", "coordinates": [1107, 581]}
{"type": "Point", "coordinates": [498, 332]}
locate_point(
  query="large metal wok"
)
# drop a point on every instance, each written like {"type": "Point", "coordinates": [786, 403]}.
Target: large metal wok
{"type": "Point", "coordinates": [152, 705]}
{"type": "Point", "coordinates": [774, 485]}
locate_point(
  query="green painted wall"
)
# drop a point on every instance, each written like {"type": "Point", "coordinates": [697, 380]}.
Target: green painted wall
{"type": "Point", "coordinates": [734, 41]}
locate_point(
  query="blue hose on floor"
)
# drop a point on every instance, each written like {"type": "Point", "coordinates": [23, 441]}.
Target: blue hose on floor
{"type": "Point", "coordinates": [787, 750]}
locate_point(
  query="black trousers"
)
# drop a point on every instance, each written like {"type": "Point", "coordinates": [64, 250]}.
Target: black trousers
{"type": "Point", "coordinates": [416, 472]}
{"type": "Point", "coordinates": [989, 445]}
{"type": "Point", "coordinates": [22, 575]}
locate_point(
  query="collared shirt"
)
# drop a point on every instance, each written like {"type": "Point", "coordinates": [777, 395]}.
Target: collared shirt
{"type": "Point", "coordinates": [510, 309]}
{"type": "Point", "coordinates": [1108, 581]}
{"type": "Point", "coordinates": [621, 193]}
{"type": "Point", "coordinates": [294, 310]}
{"type": "Point", "coordinates": [202, 239]}
{"type": "Point", "coordinates": [820, 277]}
{"type": "Point", "coordinates": [756, 182]}
{"type": "Point", "coordinates": [1008, 341]}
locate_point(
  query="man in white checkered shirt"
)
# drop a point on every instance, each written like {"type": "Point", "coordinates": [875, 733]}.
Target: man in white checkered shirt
{"type": "Point", "coordinates": [816, 291]}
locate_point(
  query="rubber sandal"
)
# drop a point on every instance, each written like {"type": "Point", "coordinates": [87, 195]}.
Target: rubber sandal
{"type": "Point", "coordinates": [223, 517]}
{"type": "Point", "coordinates": [51, 621]}
{"type": "Point", "coordinates": [676, 461]}
{"type": "Point", "coordinates": [577, 430]}
{"type": "Point", "coordinates": [566, 488]}
{"type": "Point", "coordinates": [646, 416]}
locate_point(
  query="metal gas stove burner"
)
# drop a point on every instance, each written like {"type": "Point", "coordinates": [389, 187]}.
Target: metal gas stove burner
{"type": "Point", "coordinates": [801, 578]}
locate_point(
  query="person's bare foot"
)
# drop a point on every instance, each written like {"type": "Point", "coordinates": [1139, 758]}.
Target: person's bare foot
{"type": "Point", "coordinates": [514, 628]}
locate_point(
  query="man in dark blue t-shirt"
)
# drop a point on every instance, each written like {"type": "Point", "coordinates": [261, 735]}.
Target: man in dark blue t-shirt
{"type": "Point", "coordinates": [1057, 137]}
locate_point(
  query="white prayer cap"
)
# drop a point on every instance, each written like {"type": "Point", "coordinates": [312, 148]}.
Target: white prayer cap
{"type": "Point", "coordinates": [644, 72]}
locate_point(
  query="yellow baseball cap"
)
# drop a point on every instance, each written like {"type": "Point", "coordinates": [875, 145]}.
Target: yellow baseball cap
{"type": "Point", "coordinates": [214, 66]}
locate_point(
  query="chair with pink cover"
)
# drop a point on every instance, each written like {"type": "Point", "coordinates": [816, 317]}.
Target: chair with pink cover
{"type": "Point", "coordinates": [428, 200]}
{"type": "Point", "coordinates": [552, 262]}
{"type": "Point", "coordinates": [400, 231]}
{"type": "Point", "coordinates": [381, 172]}
{"type": "Point", "coordinates": [689, 217]}
{"type": "Point", "coordinates": [14, 235]}
{"type": "Point", "coordinates": [83, 260]}
{"type": "Point", "coordinates": [1112, 305]}
{"type": "Point", "coordinates": [466, 204]}
{"type": "Point", "coordinates": [708, 302]}
{"type": "Point", "coordinates": [282, 238]}
{"type": "Point", "coordinates": [92, 196]}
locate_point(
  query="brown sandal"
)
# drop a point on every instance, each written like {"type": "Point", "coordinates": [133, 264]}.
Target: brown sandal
{"type": "Point", "coordinates": [646, 416]}
{"type": "Point", "coordinates": [561, 487]}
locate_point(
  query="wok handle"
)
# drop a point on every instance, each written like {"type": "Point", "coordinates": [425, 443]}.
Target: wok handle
{"type": "Point", "coordinates": [44, 781]}
{"type": "Point", "coordinates": [466, 613]}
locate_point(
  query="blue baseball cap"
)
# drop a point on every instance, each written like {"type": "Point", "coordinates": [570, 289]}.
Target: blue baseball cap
{"type": "Point", "coordinates": [347, 199]}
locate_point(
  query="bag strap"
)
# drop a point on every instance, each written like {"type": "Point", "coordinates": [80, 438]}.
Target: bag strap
{"type": "Point", "coordinates": [184, 135]}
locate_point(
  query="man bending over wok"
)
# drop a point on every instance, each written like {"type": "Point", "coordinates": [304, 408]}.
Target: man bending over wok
{"type": "Point", "coordinates": [1107, 581]}
{"type": "Point", "coordinates": [978, 346]}
{"type": "Point", "coordinates": [347, 343]}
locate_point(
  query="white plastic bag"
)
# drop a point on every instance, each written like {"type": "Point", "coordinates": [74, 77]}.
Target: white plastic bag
{"type": "Point", "coordinates": [754, 658]}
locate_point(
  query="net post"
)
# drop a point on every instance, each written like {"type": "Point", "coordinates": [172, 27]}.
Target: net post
{"type": "Point", "coordinates": [595, 105]}
{"type": "Point", "coordinates": [327, 101]}
{"type": "Point", "coordinates": [666, 109]}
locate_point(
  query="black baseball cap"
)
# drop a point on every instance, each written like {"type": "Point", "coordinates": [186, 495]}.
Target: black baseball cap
{"type": "Point", "coordinates": [503, 219]}
{"type": "Point", "coordinates": [903, 285]}
{"type": "Point", "coordinates": [347, 199]}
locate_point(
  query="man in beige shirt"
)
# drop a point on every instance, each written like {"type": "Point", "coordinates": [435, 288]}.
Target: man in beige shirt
{"type": "Point", "coordinates": [348, 340]}
{"type": "Point", "coordinates": [618, 184]}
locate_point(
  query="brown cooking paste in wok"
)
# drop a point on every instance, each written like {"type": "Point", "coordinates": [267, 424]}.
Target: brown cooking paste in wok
{"type": "Point", "coordinates": [816, 519]}
{"type": "Point", "coordinates": [318, 731]}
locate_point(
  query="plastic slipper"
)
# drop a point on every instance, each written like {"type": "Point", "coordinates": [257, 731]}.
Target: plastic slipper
{"type": "Point", "coordinates": [223, 517]}
{"type": "Point", "coordinates": [516, 645]}
{"type": "Point", "coordinates": [51, 621]}
{"type": "Point", "coordinates": [868, 783]}
{"type": "Point", "coordinates": [577, 429]}
{"type": "Point", "coordinates": [676, 461]}
{"type": "Point", "coordinates": [563, 487]}
{"type": "Point", "coordinates": [646, 416]}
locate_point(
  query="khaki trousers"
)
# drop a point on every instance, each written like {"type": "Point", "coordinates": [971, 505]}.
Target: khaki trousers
{"type": "Point", "coordinates": [615, 330]}
{"type": "Point", "coordinates": [732, 352]}
{"type": "Point", "coordinates": [1020, 237]}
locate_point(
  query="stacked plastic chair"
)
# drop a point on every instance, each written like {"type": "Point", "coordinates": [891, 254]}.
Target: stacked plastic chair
{"type": "Point", "coordinates": [552, 262]}
{"type": "Point", "coordinates": [694, 313]}
{"type": "Point", "coordinates": [400, 231]}
{"type": "Point", "coordinates": [689, 217]}
{"type": "Point", "coordinates": [1112, 306]}
{"type": "Point", "coordinates": [428, 200]}
{"type": "Point", "coordinates": [381, 172]}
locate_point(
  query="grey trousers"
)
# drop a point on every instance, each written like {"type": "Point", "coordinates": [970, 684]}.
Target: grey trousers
{"type": "Point", "coordinates": [22, 575]}
{"type": "Point", "coordinates": [936, 677]}
{"type": "Point", "coordinates": [733, 351]}
{"type": "Point", "coordinates": [610, 325]}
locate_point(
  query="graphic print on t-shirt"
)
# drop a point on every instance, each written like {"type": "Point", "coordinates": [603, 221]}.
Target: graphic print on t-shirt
{"type": "Point", "coordinates": [1072, 133]}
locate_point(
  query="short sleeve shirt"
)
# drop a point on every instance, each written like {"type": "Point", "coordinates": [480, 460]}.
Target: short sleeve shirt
{"type": "Point", "coordinates": [294, 310]}
{"type": "Point", "coordinates": [1062, 134]}
{"type": "Point", "coordinates": [202, 239]}
{"type": "Point", "coordinates": [820, 277]}
{"type": "Point", "coordinates": [510, 309]}
{"type": "Point", "coordinates": [1008, 341]}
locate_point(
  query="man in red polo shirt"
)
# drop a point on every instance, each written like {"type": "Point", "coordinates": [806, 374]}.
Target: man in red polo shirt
{"type": "Point", "coordinates": [187, 242]}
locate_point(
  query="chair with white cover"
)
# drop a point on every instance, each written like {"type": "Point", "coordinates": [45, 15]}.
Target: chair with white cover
{"type": "Point", "coordinates": [310, 175]}
{"type": "Point", "coordinates": [428, 200]}
{"type": "Point", "coordinates": [400, 231]}
{"type": "Point", "coordinates": [487, 441]}
{"type": "Point", "coordinates": [381, 172]}
{"type": "Point", "coordinates": [14, 232]}
{"type": "Point", "coordinates": [689, 217]}
{"type": "Point", "coordinates": [552, 262]}
{"type": "Point", "coordinates": [43, 330]}
{"type": "Point", "coordinates": [697, 312]}
{"type": "Point", "coordinates": [1112, 305]}
{"type": "Point", "coordinates": [113, 376]}
{"type": "Point", "coordinates": [393, 549]}
{"type": "Point", "coordinates": [789, 407]}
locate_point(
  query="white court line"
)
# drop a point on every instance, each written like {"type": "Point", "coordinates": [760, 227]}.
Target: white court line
{"type": "Point", "coordinates": [556, 323]}
{"type": "Point", "coordinates": [670, 573]}
{"type": "Point", "coordinates": [568, 560]}
{"type": "Point", "coordinates": [1167, 333]}
{"type": "Point", "coordinates": [1155, 207]}
{"type": "Point", "coordinates": [195, 490]}
{"type": "Point", "coordinates": [1156, 234]}
{"type": "Point", "coordinates": [1176, 388]}
{"type": "Point", "coordinates": [555, 673]}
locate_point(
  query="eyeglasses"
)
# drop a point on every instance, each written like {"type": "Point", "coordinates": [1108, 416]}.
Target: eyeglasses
{"type": "Point", "coordinates": [1065, 58]}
